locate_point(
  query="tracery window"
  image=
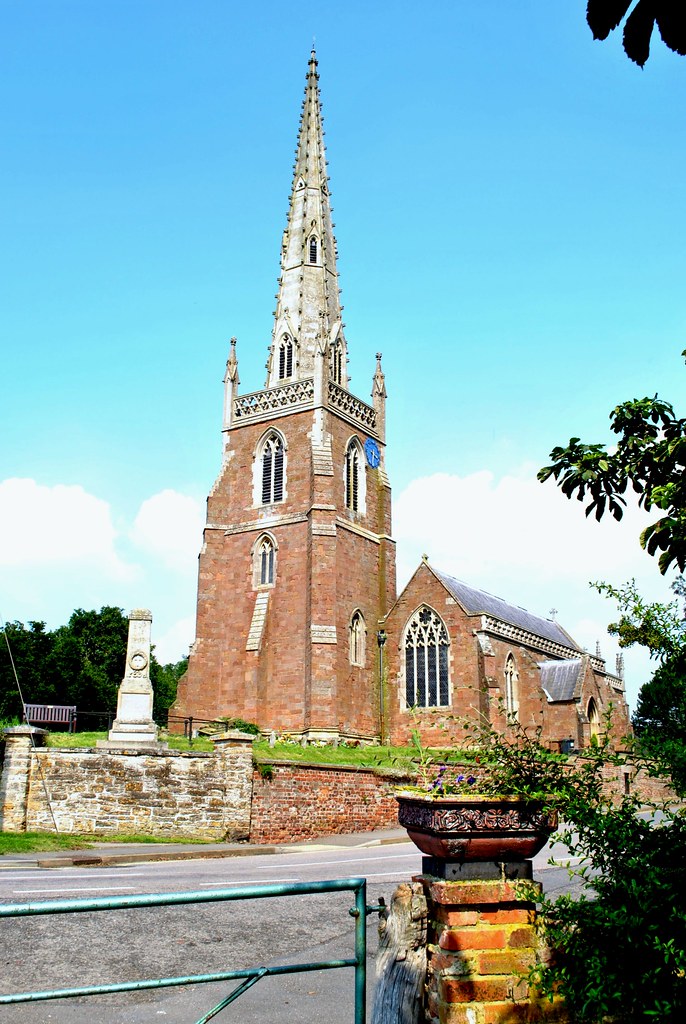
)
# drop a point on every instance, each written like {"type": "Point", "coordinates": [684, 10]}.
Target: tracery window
{"type": "Point", "coordinates": [426, 660]}
{"type": "Point", "coordinates": [511, 689]}
{"type": "Point", "coordinates": [272, 469]}
{"type": "Point", "coordinates": [357, 639]}
{"type": "Point", "coordinates": [285, 358]}
{"type": "Point", "coordinates": [354, 477]}
{"type": "Point", "coordinates": [264, 562]}
{"type": "Point", "coordinates": [313, 249]}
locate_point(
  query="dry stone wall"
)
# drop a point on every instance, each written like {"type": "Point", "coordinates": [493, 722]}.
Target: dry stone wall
{"type": "Point", "coordinates": [163, 793]}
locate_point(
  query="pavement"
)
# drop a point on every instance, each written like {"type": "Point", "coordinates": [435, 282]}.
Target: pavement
{"type": "Point", "coordinates": [101, 854]}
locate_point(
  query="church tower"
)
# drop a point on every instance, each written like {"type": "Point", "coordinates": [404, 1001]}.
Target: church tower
{"type": "Point", "coordinates": [297, 566]}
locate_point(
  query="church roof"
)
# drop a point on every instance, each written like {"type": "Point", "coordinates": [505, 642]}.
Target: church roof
{"type": "Point", "coordinates": [559, 679]}
{"type": "Point", "coordinates": [480, 602]}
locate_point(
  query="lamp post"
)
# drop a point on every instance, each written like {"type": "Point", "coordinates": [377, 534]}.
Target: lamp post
{"type": "Point", "coordinates": [381, 638]}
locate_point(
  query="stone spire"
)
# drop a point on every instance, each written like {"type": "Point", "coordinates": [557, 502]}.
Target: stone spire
{"type": "Point", "coordinates": [308, 298]}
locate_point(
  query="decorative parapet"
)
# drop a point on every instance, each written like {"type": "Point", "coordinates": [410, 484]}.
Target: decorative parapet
{"type": "Point", "coordinates": [298, 394]}
{"type": "Point", "coordinates": [496, 627]}
{"type": "Point", "coordinates": [351, 408]}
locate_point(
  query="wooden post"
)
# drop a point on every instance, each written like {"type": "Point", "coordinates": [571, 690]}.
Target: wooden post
{"type": "Point", "coordinates": [401, 958]}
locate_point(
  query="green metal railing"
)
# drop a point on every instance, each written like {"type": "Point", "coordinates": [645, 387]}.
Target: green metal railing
{"type": "Point", "coordinates": [249, 976]}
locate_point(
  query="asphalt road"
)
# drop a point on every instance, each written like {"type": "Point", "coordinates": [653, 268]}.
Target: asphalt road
{"type": "Point", "coordinates": [94, 948]}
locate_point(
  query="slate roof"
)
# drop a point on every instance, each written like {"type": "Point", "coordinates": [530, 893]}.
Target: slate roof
{"type": "Point", "coordinates": [479, 602]}
{"type": "Point", "coordinates": [559, 679]}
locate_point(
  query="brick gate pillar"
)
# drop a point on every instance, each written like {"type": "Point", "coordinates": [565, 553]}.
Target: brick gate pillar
{"type": "Point", "coordinates": [16, 772]}
{"type": "Point", "coordinates": [481, 943]}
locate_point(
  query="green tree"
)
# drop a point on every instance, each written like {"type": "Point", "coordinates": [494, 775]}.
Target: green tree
{"type": "Point", "coordinates": [164, 679]}
{"type": "Point", "coordinates": [24, 649]}
{"type": "Point", "coordinates": [649, 457]}
{"type": "Point", "coordinates": [604, 16]}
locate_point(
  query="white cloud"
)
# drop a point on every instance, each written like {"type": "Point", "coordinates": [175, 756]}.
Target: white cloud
{"type": "Point", "coordinates": [173, 645]}
{"type": "Point", "coordinates": [169, 527]}
{"type": "Point", "coordinates": [529, 544]}
{"type": "Point", "coordinates": [55, 527]}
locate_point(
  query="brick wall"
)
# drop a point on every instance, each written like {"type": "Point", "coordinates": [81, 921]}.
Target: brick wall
{"type": "Point", "coordinates": [303, 801]}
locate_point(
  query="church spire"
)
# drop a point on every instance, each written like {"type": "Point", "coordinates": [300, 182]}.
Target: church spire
{"type": "Point", "coordinates": [308, 304]}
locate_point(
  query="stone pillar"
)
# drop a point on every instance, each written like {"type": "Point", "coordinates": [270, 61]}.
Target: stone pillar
{"type": "Point", "coordinates": [16, 774]}
{"type": "Point", "coordinates": [235, 750]}
{"type": "Point", "coordinates": [134, 725]}
{"type": "Point", "coordinates": [481, 943]}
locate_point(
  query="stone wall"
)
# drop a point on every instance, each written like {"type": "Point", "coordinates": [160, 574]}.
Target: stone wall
{"type": "Point", "coordinates": [302, 801]}
{"type": "Point", "coordinates": [91, 790]}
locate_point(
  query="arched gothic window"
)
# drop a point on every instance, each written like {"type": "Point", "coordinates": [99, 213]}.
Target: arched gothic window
{"type": "Point", "coordinates": [593, 718]}
{"type": "Point", "coordinates": [354, 477]}
{"type": "Point", "coordinates": [272, 469]}
{"type": "Point", "coordinates": [337, 363]}
{"type": "Point", "coordinates": [426, 660]}
{"type": "Point", "coordinates": [511, 689]}
{"type": "Point", "coordinates": [313, 249]}
{"type": "Point", "coordinates": [357, 639]}
{"type": "Point", "coordinates": [264, 562]}
{"type": "Point", "coordinates": [285, 358]}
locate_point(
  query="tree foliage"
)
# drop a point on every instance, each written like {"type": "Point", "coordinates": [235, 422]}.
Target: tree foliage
{"type": "Point", "coordinates": [649, 458]}
{"type": "Point", "coordinates": [81, 663]}
{"type": "Point", "coordinates": [659, 627]}
{"type": "Point", "coordinates": [619, 949]}
{"type": "Point", "coordinates": [604, 16]}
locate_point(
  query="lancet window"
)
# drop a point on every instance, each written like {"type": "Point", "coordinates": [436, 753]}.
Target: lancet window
{"type": "Point", "coordinates": [593, 717]}
{"type": "Point", "coordinates": [272, 469]}
{"type": "Point", "coordinates": [285, 358]}
{"type": "Point", "coordinates": [354, 477]}
{"type": "Point", "coordinates": [264, 562]}
{"type": "Point", "coordinates": [357, 639]}
{"type": "Point", "coordinates": [426, 660]}
{"type": "Point", "coordinates": [337, 363]}
{"type": "Point", "coordinates": [511, 689]}
{"type": "Point", "coordinates": [313, 249]}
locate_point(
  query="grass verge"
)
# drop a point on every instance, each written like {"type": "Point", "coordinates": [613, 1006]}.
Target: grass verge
{"type": "Point", "coordinates": [42, 842]}
{"type": "Point", "coordinates": [90, 739]}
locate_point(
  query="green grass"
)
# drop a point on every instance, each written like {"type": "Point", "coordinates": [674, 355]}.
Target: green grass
{"type": "Point", "coordinates": [89, 739]}
{"type": "Point", "coordinates": [42, 842]}
{"type": "Point", "coordinates": [398, 758]}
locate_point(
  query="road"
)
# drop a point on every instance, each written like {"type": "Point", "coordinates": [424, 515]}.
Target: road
{"type": "Point", "coordinates": [94, 948]}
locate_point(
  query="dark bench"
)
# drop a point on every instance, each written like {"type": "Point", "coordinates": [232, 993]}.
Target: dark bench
{"type": "Point", "coordinates": [47, 715]}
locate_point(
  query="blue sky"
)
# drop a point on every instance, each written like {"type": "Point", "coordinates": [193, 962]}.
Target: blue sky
{"type": "Point", "coordinates": [509, 207]}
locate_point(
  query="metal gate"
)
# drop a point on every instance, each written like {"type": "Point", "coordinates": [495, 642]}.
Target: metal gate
{"type": "Point", "coordinates": [249, 976]}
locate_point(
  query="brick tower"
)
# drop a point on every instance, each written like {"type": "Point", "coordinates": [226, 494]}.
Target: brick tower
{"type": "Point", "coordinates": [297, 566]}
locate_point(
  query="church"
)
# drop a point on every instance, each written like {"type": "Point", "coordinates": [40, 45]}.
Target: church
{"type": "Point", "coordinates": [299, 627]}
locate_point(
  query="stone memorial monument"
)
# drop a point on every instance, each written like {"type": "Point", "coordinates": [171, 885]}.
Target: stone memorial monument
{"type": "Point", "coordinates": [134, 725]}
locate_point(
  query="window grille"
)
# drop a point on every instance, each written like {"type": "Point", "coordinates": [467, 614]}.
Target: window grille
{"type": "Point", "coordinates": [352, 477]}
{"type": "Point", "coordinates": [337, 368]}
{"type": "Point", "coordinates": [313, 250]}
{"type": "Point", "coordinates": [426, 661]}
{"type": "Point", "coordinates": [285, 359]}
{"type": "Point", "coordinates": [272, 470]}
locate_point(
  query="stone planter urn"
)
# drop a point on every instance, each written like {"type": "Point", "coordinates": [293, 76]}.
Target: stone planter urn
{"type": "Point", "coordinates": [471, 828]}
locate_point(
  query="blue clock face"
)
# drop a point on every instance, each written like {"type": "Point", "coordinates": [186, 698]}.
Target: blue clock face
{"type": "Point", "coordinates": [371, 450]}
